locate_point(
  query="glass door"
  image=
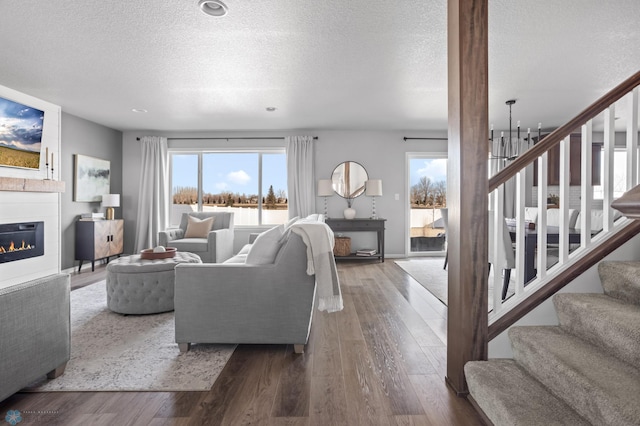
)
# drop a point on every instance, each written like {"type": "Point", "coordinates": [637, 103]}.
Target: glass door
{"type": "Point", "coordinates": [427, 183]}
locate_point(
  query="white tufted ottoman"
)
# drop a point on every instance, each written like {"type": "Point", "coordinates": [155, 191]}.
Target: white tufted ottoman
{"type": "Point", "coordinates": [143, 286]}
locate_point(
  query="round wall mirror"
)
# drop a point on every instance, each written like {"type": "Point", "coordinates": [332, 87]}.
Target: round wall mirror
{"type": "Point", "coordinates": [348, 179]}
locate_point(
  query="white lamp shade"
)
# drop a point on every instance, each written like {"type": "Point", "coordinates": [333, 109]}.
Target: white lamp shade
{"type": "Point", "coordinates": [111, 200]}
{"type": "Point", "coordinates": [325, 188]}
{"type": "Point", "coordinates": [373, 188]}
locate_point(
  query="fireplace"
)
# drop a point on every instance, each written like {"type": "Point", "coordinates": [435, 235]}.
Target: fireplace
{"type": "Point", "coordinates": [21, 241]}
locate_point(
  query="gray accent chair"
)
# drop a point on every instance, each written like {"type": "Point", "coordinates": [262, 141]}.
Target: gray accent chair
{"type": "Point", "coordinates": [216, 248]}
{"type": "Point", "coordinates": [35, 331]}
{"type": "Point", "coordinates": [235, 302]}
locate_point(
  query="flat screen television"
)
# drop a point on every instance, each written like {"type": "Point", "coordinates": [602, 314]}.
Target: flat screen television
{"type": "Point", "coordinates": [20, 135]}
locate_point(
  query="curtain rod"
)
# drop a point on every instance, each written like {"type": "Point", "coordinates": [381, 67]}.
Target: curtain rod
{"type": "Point", "coordinates": [222, 139]}
{"type": "Point", "coordinates": [426, 139]}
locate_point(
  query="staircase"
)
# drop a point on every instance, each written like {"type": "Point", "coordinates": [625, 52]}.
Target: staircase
{"type": "Point", "coordinates": [586, 371]}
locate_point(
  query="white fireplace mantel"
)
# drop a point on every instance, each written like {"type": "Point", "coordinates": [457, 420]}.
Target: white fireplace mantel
{"type": "Point", "coordinates": [31, 185]}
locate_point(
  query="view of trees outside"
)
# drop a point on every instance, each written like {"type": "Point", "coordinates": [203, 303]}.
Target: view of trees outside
{"type": "Point", "coordinates": [231, 183]}
{"type": "Point", "coordinates": [427, 194]}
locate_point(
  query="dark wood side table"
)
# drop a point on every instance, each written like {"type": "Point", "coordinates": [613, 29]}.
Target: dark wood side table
{"type": "Point", "coordinates": [360, 225]}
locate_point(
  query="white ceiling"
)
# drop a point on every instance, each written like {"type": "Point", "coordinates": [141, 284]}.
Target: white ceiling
{"type": "Point", "coordinates": [353, 64]}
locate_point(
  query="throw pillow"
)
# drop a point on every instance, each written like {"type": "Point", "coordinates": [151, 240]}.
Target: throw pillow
{"type": "Point", "coordinates": [312, 218]}
{"type": "Point", "coordinates": [197, 228]}
{"type": "Point", "coordinates": [291, 222]}
{"type": "Point", "coordinates": [266, 246]}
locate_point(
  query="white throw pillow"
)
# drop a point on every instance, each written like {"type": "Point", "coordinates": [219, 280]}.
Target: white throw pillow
{"type": "Point", "coordinates": [266, 246]}
{"type": "Point", "coordinates": [197, 228]}
{"type": "Point", "coordinates": [312, 218]}
{"type": "Point", "coordinates": [245, 249]}
{"type": "Point", "coordinates": [291, 222]}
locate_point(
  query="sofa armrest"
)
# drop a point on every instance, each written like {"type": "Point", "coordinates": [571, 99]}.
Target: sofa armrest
{"type": "Point", "coordinates": [34, 331]}
{"type": "Point", "coordinates": [220, 243]}
{"type": "Point", "coordinates": [164, 237]}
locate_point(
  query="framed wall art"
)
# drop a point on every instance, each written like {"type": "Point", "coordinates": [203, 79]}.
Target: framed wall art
{"type": "Point", "coordinates": [21, 135]}
{"type": "Point", "coordinates": [91, 178]}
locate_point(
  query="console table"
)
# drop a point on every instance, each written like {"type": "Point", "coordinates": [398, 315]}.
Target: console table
{"type": "Point", "coordinates": [98, 239]}
{"type": "Point", "coordinates": [360, 225]}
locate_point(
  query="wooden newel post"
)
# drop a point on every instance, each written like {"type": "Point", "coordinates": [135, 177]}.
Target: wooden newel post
{"type": "Point", "coordinates": [467, 198]}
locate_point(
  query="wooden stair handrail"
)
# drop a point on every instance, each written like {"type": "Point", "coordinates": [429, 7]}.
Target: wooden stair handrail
{"type": "Point", "coordinates": [562, 132]}
{"type": "Point", "coordinates": [549, 289]}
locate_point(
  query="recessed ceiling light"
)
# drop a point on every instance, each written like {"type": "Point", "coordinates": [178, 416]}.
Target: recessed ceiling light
{"type": "Point", "coordinates": [213, 7]}
{"type": "Point", "coordinates": [271, 109]}
{"type": "Point", "coordinates": [138, 110]}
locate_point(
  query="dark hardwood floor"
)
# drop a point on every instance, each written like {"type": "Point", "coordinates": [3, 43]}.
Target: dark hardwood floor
{"type": "Point", "coordinates": [381, 361]}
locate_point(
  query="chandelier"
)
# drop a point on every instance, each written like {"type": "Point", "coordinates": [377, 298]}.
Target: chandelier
{"type": "Point", "coordinates": [510, 147]}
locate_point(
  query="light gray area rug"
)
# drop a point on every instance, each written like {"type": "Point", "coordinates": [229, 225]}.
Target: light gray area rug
{"type": "Point", "coordinates": [112, 352]}
{"type": "Point", "coordinates": [430, 274]}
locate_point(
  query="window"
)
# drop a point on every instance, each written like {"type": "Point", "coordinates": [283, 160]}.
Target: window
{"type": "Point", "coordinates": [427, 197]}
{"type": "Point", "coordinates": [252, 184]}
{"type": "Point", "coordinates": [619, 176]}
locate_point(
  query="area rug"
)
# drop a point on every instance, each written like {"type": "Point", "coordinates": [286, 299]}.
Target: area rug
{"type": "Point", "coordinates": [112, 352]}
{"type": "Point", "coordinates": [429, 272]}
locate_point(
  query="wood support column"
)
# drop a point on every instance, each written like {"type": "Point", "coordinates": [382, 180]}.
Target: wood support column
{"type": "Point", "coordinates": [467, 198]}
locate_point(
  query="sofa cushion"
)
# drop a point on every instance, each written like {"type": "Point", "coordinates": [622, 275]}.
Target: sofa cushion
{"type": "Point", "coordinates": [265, 248]}
{"type": "Point", "coordinates": [190, 244]}
{"type": "Point", "coordinates": [238, 258]}
{"type": "Point", "coordinates": [197, 228]}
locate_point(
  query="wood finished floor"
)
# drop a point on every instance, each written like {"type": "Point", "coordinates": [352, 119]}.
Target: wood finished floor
{"type": "Point", "coordinates": [381, 361]}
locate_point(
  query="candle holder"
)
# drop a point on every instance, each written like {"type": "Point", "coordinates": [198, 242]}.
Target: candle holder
{"type": "Point", "coordinates": [51, 171]}
{"type": "Point", "coordinates": [47, 169]}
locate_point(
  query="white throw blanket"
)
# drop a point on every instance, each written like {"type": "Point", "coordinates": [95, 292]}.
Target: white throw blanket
{"type": "Point", "coordinates": [320, 261]}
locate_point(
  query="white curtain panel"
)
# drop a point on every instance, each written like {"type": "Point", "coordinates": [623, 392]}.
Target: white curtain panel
{"type": "Point", "coordinates": [300, 175]}
{"type": "Point", "coordinates": [153, 196]}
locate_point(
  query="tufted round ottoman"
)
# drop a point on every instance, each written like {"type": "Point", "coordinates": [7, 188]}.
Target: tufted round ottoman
{"type": "Point", "coordinates": [143, 286]}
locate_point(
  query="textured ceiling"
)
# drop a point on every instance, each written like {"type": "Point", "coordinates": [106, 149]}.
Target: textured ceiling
{"type": "Point", "coordinates": [324, 64]}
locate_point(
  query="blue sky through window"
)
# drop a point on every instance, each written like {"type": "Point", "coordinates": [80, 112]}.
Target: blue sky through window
{"type": "Point", "coordinates": [231, 172]}
{"type": "Point", "coordinates": [433, 168]}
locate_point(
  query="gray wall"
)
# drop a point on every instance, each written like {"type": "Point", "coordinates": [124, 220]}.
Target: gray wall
{"type": "Point", "coordinates": [80, 136]}
{"type": "Point", "coordinates": [382, 153]}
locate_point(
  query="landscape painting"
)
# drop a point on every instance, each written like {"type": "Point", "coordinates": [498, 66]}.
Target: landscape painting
{"type": "Point", "coordinates": [20, 135]}
{"type": "Point", "coordinates": [91, 178]}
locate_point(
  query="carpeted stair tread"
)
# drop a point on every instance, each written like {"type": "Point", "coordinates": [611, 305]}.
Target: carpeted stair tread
{"type": "Point", "coordinates": [599, 387]}
{"type": "Point", "coordinates": [508, 395]}
{"type": "Point", "coordinates": [604, 321]}
{"type": "Point", "coordinates": [621, 280]}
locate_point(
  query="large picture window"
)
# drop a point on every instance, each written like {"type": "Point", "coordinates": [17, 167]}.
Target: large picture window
{"type": "Point", "coordinates": [252, 184]}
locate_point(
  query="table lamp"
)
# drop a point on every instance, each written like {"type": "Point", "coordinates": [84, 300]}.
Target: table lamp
{"type": "Point", "coordinates": [373, 188]}
{"type": "Point", "coordinates": [110, 201]}
{"type": "Point", "coordinates": [325, 189]}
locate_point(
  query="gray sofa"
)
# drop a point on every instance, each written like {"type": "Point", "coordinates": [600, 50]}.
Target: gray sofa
{"type": "Point", "coordinates": [216, 248]}
{"type": "Point", "coordinates": [35, 332]}
{"type": "Point", "coordinates": [235, 302]}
